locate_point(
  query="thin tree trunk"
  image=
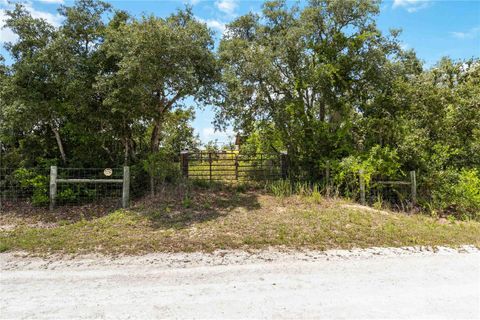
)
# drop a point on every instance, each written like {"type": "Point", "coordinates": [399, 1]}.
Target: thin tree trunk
{"type": "Point", "coordinates": [154, 147]}
{"type": "Point", "coordinates": [155, 138]}
{"type": "Point", "coordinates": [322, 111]}
{"type": "Point", "coordinates": [60, 144]}
{"type": "Point", "coordinates": [152, 185]}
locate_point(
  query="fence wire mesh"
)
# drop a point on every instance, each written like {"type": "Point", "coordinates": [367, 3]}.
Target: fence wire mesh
{"type": "Point", "coordinates": [29, 187]}
{"type": "Point", "coordinates": [22, 187]}
{"type": "Point", "coordinates": [78, 186]}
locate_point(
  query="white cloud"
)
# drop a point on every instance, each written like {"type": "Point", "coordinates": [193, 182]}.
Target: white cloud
{"type": "Point", "coordinates": [411, 5]}
{"type": "Point", "coordinates": [209, 134]}
{"type": "Point", "coordinates": [227, 6]}
{"type": "Point", "coordinates": [404, 46]}
{"type": "Point", "coordinates": [54, 19]}
{"type": "Point", "coordinates": [52, 1]}
{"type": "Point", "coordinates": [470, 34]}
{"type": "Point", "coordinates": [6, 35]}
{"type": "Point", "coordinates": [191, 2]}
{"type": "Point", "coordinates": [214, 24]}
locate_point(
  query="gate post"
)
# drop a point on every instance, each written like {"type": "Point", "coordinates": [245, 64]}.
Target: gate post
{"type": "Point", "coordinates": [284, 164]}
{"type": "Point", "coordinates": [327, 178]}
{"type": "Point", "coordinates": [362, 187]}
{"type": "Point", "coordinates": [236, 166]}
{"type": "Point", "coordinates": [126, 187]}
{"type": "Point", "coordinates": [184, 162]}
{"type": "Point", "coordinates": [53, 186]}
{"type": "Point", "coordinates": [210, 164]}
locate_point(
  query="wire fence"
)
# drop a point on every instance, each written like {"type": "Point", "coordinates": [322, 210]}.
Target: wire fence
{"type": "Point", "coordinates": [398, 194]}
{"type": "Point", "coordinates": [33, 187]}
{"type": "Point", "coordinates": [78, 186]}
{"type": "Point", "coordinates": [23, 187]}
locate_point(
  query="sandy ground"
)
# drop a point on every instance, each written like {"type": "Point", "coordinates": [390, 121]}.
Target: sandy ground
{"type": "Point", "coordinates": [371, 283]}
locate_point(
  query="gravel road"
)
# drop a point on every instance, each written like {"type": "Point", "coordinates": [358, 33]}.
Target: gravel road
{"type": "Point", "coordinates": [372, 283]}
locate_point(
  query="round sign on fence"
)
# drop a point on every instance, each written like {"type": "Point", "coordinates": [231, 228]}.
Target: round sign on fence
{"type": "Point", "coordinates": [107, 172]}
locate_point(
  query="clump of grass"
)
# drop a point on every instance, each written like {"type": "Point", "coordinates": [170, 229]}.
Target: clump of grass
{"type": "Point", "coordinates": [283, 188]}
{"type": "Point", "coordinates": [187, 202]}
{"type": "Point", "coordinates": [379, 203]}
{"type": "Point", "coordinates": [4, 247]}
{"type": "Point", "coordinates": [280, 188]}
{"type": "Point", "coordinates": [316, 195]}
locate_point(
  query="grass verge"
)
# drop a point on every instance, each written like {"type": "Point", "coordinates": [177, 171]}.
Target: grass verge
{"type": "Point", "coordinates": [205, 221]}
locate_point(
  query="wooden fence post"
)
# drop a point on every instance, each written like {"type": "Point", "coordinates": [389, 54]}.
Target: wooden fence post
{"type": "Point", "coordinates": [284, 164]}
{"type": "Point", "coordinates": [126, 187]}
{"type": "Point", "coordinates": [413, 182]}
{"type": "Point", "coordinates": [327, 178]}
{"type": "Point", "coordinates": [362, 187]}
{"type": "Point", "coordinates": [236, 166]}
{"type": "Point", "coordinates": [53, 186]}
{"type": "Point", "coordinates": [184, 161]}
{"type": "Point", "coordinates": [210, 164]}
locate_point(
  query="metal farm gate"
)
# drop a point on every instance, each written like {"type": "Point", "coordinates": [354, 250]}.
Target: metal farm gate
{"type": "Point", "coordinates": [233, 166]}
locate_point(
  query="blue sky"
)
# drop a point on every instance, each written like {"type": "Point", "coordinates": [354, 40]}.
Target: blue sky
{"type": "Point", "coordinates": [432, 28]}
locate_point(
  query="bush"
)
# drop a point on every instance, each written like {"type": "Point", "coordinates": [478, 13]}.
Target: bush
{"type": "Point", "coordinates": [36, 183]}
{"type": "Point", "coordinates": [67, 195]}
{"type": "Point", "coordinates": [378, 162]}
{"type": "Point", "coordinates": [162, 167]}
{"type": "Point", "coordinates": [457, 193]}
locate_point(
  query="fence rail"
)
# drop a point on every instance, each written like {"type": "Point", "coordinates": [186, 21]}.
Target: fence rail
{"type": "Point", "coordinates": [41, 187]}
{"type": "Point", "coordinates": [412, 183]}
{"type": "Point", "coordinates": [94, 179]}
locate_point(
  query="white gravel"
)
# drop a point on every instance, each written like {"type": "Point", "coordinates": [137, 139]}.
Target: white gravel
{"type": "Point", "coordinates": [370, 283]}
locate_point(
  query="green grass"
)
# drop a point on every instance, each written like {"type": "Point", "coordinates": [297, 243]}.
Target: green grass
{"type": "Point", "coordinates": [208, 220]}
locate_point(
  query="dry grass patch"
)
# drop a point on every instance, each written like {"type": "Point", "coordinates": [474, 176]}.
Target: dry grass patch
{"type": "Point", "coordinates": [205, 220]}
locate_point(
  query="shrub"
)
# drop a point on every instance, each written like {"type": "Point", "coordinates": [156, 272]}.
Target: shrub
{"type": "Point", "coordinates": [467, 192]}
{"type": "Point", "coordinates": [379, 162]}
{"type": "Point", "coordinates": [67, 195]}
{"type": "Point", "coordinates": [162, 166]}
{"type": "Point", "coordinates": [37, 183]}
{"type": "Point", "coordinates": [457, 193]}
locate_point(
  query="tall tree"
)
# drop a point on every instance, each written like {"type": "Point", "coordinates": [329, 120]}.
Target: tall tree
{"type": "Point", "coordinates": [311, 72]}
{"type": "Point", "coordinates": [34, 91]}
{"type": "Point", "coordinates": [161, 62]}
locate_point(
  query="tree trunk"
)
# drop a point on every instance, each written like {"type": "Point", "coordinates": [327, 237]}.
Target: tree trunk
{"type": "Point", "coordinates": [155, 138]}
{"type": "Point", "coordinates": [154, 147]}
{"type": "Point", "coordinates": [322, 111]}
{"type": "Point", "coordinates": [152, 185]}
{"type": "Point", "coordinates": [60, 144]}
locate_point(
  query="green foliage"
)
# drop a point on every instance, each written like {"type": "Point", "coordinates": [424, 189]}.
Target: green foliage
{"type": "Point", "coordinates": [318, 80]}
{"type": "Point", "coordinates": [38, 185]}
{"type": "Point", "coordinates": [378, 162]}
{"type": "Point", "coordinates": [458, 193]}
{"type": "Point", "coordinates": [308, 76]}
{"type": "Point", "coordinates": [67, 195]}
{"type": "Point", "coordinates": [161, 166]}
{"type": "Point", "coordinates": [93, 91]}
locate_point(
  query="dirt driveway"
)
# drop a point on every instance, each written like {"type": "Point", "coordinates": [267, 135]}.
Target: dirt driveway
{"type": "Point", "coordinates": [374, 283]}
